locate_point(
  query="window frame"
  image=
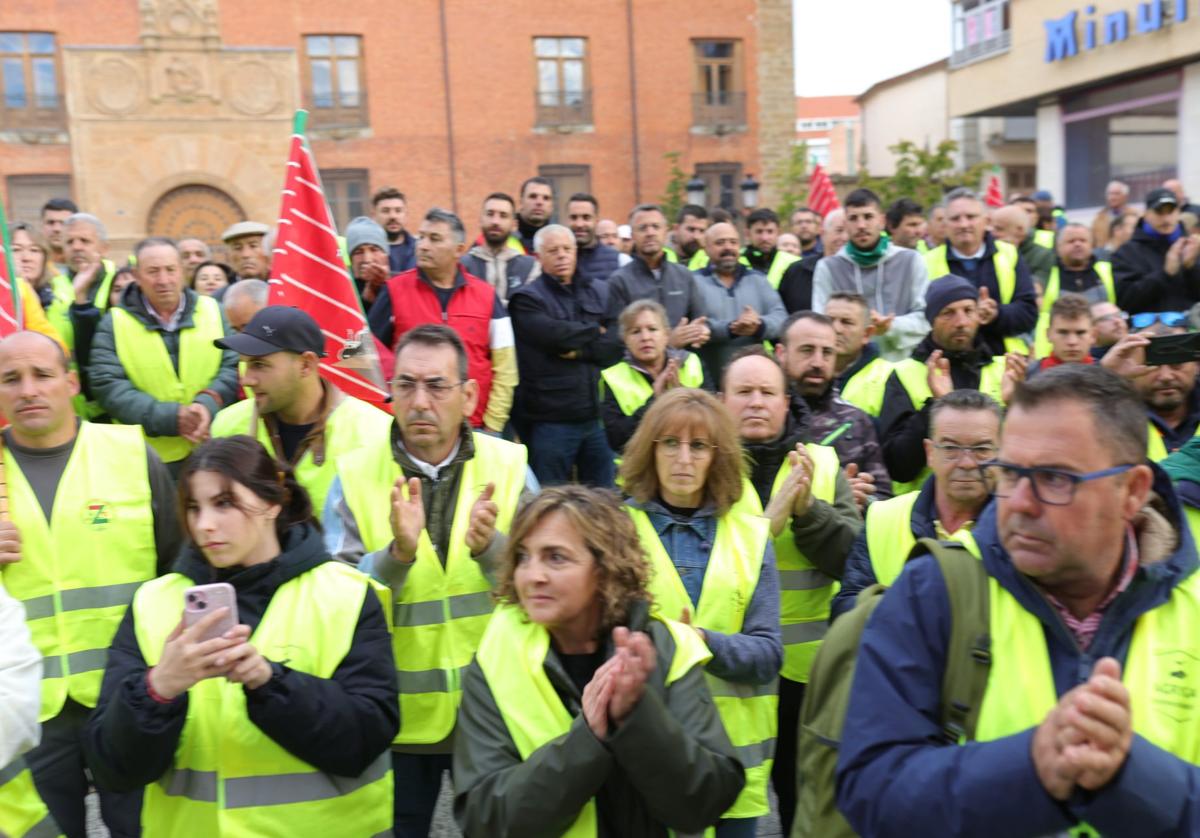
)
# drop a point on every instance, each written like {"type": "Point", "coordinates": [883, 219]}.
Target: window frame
{"type": "Point", "coordinates": [561, 114]}
{"type": "Point", "coordinates": [729, 109]}
{"type": "Point", "coordinates": [333, 182]}
{"type": "Point", "coordinates": [711, 174]}
{"type": "Point", "coordinates": [336, 115]}
{"type": "Point", "coordinates": [32, 115]}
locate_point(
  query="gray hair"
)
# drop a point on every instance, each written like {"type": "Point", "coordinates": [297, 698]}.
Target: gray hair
{"type": "Point", "coordinates": [966, 401]}
{"type": "Point", "coordinates": [87, 218]}
{"type": "Point", "coordinates": [154, 241]}
{"type": "Point", "coordinates": [961, 192]}
{"type": "Point", "coordinates": [254, 290]}
{"type": "Point", "coordinates": [550, 230]}
{"type": "Point", "coordinates": [442, 216]}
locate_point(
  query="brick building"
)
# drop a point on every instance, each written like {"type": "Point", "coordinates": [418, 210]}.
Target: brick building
{"type": "Point", "coordinates": [172, 117]}
{"type": "Point", "coordinates": [828, 126]}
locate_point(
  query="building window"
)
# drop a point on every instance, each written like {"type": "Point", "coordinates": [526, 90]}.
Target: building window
{"type": "Point", "coordinates": [337, 96]}
{"type": "Point", "coordinates": [27, 194]}
{"type": "Point", "coordinates": [565, 181]}
{"type": "Point", "coordinates": [719, 97]}
{"type": "Point", "coordinates": [346, 192]}
{"type": "Point", "coordinates": [722, 185]}
{"type": "Point", "coordinates": [563, 94]}
{"type": "Point", "coordinates": [1127, 132]}
{"type": "Point", "coordinates": [981, 30]}
{"type": "Point", "coordinates": [28, 70]}
{"type": "Point", "coordinates": [818, 152]}
{"type": "Point", "coordinates": [1021, 179]}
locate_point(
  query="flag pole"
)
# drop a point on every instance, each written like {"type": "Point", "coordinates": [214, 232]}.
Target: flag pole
{"type": "Point", "coordinates": [10, 267]}
{"type": "Point", "coordinates": [300, 122]}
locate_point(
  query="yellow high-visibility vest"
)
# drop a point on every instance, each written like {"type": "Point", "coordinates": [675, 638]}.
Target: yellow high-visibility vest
{"type": "Point", "coordinates": [865, 388]}
{"type": "Point", "coordinates": [511, 656]}
{"type": "Point", "coordinates": [1005, 263]}
{"type": "Point", "coordinates": [1041, 339]}
{"type": "Point", "coordinates": [805, 592]}
{"type": "Point", "coordinates": [23, 813]}
{"type": "Point", "coordinates": [228, 777]}
{"type": "Point", "coordinates": [631, 389]}
{"type": "Point", "coordinates": [780, 262]}
{"type": "Point", "coordinates": [749, 711]}
{"type": "Point", "coordinates": [148, 364]}
{"type": "Point", "coordinates": [441, 612]}
{"type": "Point", "coordinates": [890, 537]}
{"type": "Point", "coordinates": [80, 568]}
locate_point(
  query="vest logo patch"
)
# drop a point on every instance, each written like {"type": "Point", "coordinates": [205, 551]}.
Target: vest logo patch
{"type": "Point", "coordinates": [98, 514]}
{"type": "Point", "coordinates": [1175, 684]}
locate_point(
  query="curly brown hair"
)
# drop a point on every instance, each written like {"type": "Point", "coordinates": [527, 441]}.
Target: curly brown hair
{"type": "Point", "coordinates": [675, 411]}
{"type": "Point", "coordinates": [622, 570]}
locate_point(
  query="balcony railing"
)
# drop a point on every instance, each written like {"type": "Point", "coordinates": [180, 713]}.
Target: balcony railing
{"type": "Point", "coordinates": [980, 33]}
{"type": "Point", "coordinates": [339, 110]}
{"type": "Point", "coordinates": [32, 113]}
{"type": "Point", "coordinates": [719, 109]}
{"type": "Point", "coordinates": [563, 108]}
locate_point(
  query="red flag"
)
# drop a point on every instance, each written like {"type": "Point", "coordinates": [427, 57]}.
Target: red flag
{"type": "Point", "coordinates": [994, 196]}
{"type": "Point", "coordinates": [307, 272]}
{"type": "Point", "coordinates": [12, 319]}
{"type": "Point", "coordinates": [822, 197]}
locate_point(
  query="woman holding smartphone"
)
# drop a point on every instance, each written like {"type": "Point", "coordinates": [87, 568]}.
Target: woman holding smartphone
{"type": "Point", "coordinates": [277, 725]}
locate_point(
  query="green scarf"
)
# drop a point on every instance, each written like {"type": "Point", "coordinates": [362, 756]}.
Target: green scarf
{"type": "Point", "coordinates": [868, 258]}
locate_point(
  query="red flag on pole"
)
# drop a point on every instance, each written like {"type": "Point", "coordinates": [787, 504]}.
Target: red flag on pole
{"type": "Point", "coordinates": [12, 319]}
{"type": "Point", "coordinates": [307, 272]}
{"type": "Point", "coordinates": [994, 196]}
{"type": "Point", "coordinates": [822, 197]}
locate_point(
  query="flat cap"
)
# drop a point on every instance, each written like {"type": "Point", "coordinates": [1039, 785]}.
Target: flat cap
{"type": "Point", "coordinates": [245, 228]}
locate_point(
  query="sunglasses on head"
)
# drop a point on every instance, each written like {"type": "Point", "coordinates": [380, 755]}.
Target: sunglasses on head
{"type": "Point", "coordinates": [1167, 318]}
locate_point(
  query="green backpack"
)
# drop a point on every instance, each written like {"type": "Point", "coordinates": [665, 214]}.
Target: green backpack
{"type": "Point", "coordinates": [823, 713]}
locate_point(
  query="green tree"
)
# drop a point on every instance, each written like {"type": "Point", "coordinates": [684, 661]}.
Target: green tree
{"type": "Point", "coordinates": [676, 192]}
{"type": "Point", "coordinates": [792, 177]}
{"type": "Point", "coordinates": [922, 174]}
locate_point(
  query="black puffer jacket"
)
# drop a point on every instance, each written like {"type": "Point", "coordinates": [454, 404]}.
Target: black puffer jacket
{"type": "Point", "coordinates": [1143, 284]}
{"type": "Point", "coordinates": [339, 725]}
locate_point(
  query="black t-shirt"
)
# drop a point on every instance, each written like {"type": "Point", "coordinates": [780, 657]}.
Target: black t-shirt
{"type": "Point", "coordinates": [581, 668]}
{"type": "Point", "coordinates": [290, 437]}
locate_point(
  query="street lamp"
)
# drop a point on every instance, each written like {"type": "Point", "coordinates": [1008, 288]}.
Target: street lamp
{"type": "Point", "coordinates": [696, 188]}
{"type": "Point", "coordinates": [750, 191]}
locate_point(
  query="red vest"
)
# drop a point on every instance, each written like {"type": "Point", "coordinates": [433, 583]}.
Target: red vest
{"type": "Point", "coordinates": [469, 314]}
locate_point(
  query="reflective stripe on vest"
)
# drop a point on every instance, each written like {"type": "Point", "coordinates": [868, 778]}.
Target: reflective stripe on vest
{"type": "Point", "coordinates": [865, 388]}
{"type": "Point", "coordinates": [143, 353]}
{"type": "Point", "coordinates": [81, 568]}
{"type": "Point", "coordinates": [351, 425]}
{"type": "Point", "coordinates": [1004, 262]}
{"type": "Point", "coordinates": [1163, 658]}
{"type": "Point", "coordinates": [890, 537]}
{"type": "Point", "coordinates": [23, 814]}
{"type": "Point", "coordinates": [914, 375]}
{"type": "Point", "coordinates": [442, 610]}
{"type": "Point", "coordinates": [1041, 340]}
{"type": "Point", "coordinates": [631, 389]}
{"type": "Point", "coordinates": [805, 592]}
{"type": "Point", "coordinates": [230, 778]}
{"type": "Point", "coordinates": [512, 656]}
{"type": "Point", "coordinates": [748, 711]}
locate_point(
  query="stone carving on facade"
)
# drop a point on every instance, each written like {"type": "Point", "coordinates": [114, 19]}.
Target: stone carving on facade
{"type": "Point", "coordinates": [168, 22]}
{"type": "Point", "coordinates": [252, 88]}
{"type": "Point", "coordinates": [114, 86]}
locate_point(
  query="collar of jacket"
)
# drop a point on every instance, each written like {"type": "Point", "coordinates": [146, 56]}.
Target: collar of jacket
{"type": "Point", "coordinates": [767, 457]}
{"type": "Point", "coordinates": [134, 302]}
{"type": "Point", "coordinates": [460, 278]}
{"type": "Point", "coordinates": [759, 259]}
{"type": "Point", "coordinates": [527, 230]}
{"type": "Point", "coordinates": [989, 249]}
{"type": "Point", "coordinates": [578, 283]}
{"type": "Point", "coordinates": [1193, 404]}
{"type": "Point", "coordinates": [640, 264]}
{"type": "Point", "coordinates": [710, 271]}
{"type": "Point", "coordinates": [869, 353]}
{"type": "Point", "coordinates": [661, 517]}
{"type": "Point", "coordinates": [1091, 267]}
{"type": "Point", "coordinates": [301, 549]}
{"type": "Point", "coordinates": [314, 440]}
{"type": "Point", "coordinates": [680, 355]}
{"type": "Point", "coordinates": [977, 357]}
{"type": "Point", "coordinates": [466, 450]}
{"type": "Point", "coordinates": [485, 253]}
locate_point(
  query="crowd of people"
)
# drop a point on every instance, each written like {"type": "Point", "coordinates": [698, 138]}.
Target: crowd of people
{"type": "Point", "coordinates": [635, 479]}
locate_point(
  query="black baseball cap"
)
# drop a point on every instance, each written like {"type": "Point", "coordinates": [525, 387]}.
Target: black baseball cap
{"type": "Point", "coordinates": [277, 329]}
{"type": "Point", "coordinates": [1160, 197]}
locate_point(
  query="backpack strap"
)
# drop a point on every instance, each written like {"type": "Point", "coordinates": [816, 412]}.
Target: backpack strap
{"type": "Point", "coordinates": [969, 657]}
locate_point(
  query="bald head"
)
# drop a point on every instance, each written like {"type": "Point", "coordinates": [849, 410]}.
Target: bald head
{"type": "Point", "coordinates": [755, 394]}
{"type": "Point", "coordinates": [1010, 224]}
{"type": "Point", "coordinates": [27, 341]}
{"type": "Point", "coordinates": [36, 388]}
{"type": "Point", "coordinates": [722, 243]}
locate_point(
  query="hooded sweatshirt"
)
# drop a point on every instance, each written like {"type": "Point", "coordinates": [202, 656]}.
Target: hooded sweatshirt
{"type": "Point", "coordinates": [895, 285]}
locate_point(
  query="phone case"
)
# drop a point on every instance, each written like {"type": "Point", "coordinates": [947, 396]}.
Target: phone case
{"type": "Point", "coordinates": [202, 600]}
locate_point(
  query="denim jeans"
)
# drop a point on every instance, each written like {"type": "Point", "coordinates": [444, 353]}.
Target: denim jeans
{"type": "Point", "coordinates": [556, 447]}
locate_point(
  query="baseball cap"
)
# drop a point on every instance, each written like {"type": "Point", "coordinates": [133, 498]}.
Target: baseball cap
{"type": "Point", "coordinates": [1042, 195]}
{"type": "Point", "coordinates": [277, 329]}
{"type": "Point", "coordinates": [1160, 197]}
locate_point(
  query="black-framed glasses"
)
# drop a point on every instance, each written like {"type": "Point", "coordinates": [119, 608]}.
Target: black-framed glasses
{"type": "Point", "coordinates": [697, 447]}
{"type": "Point", "coordinates": [406, 388]}
{"type": "Point", "coordinates": [977, 453]}
{"type": "Point", "coordinates": [1051, 486]}
{"type": "Point", "coordinates": [1171, 319]}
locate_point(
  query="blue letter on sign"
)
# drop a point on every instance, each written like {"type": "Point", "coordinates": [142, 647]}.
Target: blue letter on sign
{"type": "Point", "coordinates": [1060, 38]}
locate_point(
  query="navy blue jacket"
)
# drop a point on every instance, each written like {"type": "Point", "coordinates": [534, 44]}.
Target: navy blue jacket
{"type": "Point", "coordinates": [402, 255]}
{"type": "Point", "coordinates": [893, 780]}
{"type": "Point", "coordinates": [1015, 318]}
{"type": "Point", "coordinates": [598, 261]}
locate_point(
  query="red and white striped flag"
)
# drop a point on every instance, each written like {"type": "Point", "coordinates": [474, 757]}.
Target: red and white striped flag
{"type": "Point", "coordinates": [12, 319]}
{"type": "Point", "coordinates": [994, 196]}
{"type": "Point", "coordinates": [822, 197]}
{"type": "Point", "coordinates": [307, 272]}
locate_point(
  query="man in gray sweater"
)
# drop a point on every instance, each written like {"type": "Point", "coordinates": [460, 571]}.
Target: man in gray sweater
{"type": "Point", "coordinates": [893, 279]}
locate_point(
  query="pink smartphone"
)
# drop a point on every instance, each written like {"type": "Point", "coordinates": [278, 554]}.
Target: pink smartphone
{"type": "Point", "coordinates": [202, 600]}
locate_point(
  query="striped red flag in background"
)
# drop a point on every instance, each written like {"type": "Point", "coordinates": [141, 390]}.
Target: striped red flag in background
{"type": "Point", "coordinates": [994, 197]}
{"type": "Point", "coordinates": [11, 317]}
{"type": "Point", "coordinates": [822, 197]}
{"type": "Point", "coordinates": [307, 272]}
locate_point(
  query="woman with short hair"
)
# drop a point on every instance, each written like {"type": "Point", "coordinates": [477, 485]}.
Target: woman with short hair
{"type": "Point", "coordinates": [585, 712]}
{"type": "Point", "coordinates": [713, 565]}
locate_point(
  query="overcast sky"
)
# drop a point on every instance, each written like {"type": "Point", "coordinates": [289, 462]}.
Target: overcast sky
{"type": "Point", "coordinates": [845, 46]}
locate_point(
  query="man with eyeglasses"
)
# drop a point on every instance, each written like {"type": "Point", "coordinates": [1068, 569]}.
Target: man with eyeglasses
{"type": "Point", "coordinates": [1089, 711]}
{"type": "Point", "coordinates": [814, 520]}
{"type": "Point", "coordinates": [964, 431]}
{"type": "Point", "coordinates": [296, 414]}
{"type": "Point", "coordinates": [453, 493]}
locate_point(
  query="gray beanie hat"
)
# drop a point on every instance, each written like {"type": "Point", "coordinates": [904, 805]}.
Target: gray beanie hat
{"type": "Point", "coordinates": [363, 230]}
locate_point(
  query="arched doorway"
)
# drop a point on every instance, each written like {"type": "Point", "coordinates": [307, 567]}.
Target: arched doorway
{"type": "Point", "coordinates": [194, 211]}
